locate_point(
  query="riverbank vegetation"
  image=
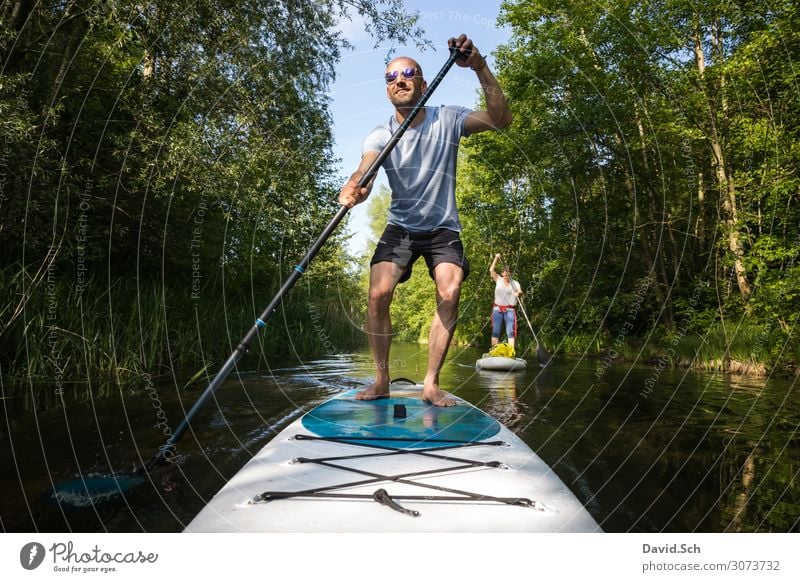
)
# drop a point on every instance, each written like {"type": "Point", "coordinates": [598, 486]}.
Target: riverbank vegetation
{"type": "Point", "coordinates": [162, 164]}
{"type": "Point", "coordinates": [646, 195]}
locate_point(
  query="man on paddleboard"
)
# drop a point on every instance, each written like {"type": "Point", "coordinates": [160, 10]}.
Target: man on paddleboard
{"type": "Point", "coordinates": [423, 218]}
{"type": "Point", "coordinates": [504, 308]}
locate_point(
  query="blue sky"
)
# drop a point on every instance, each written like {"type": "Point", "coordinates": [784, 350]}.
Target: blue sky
{"type": "Point", "coordinates": [358, 97]}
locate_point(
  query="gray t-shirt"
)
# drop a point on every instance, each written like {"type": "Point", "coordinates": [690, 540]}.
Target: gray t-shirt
{"type": "Point", "coordinates": [421, 169]}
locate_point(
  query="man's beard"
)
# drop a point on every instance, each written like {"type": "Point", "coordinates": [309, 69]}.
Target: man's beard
{"type": "Point", "coordinates": [407, 99]}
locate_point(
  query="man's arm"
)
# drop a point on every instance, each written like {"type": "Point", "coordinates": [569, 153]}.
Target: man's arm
{"type": "Point", "coordinates": [350, 194]}
{"type": "Point", "coordinates": [497, 114]}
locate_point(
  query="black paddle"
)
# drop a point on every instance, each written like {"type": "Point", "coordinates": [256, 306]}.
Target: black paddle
{"type": "Point", "coordinates": [542, 354]}
{"type": "Point", "coordinates": [101, 488]}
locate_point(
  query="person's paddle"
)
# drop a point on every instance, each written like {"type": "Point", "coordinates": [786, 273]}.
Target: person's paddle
{"type": "Point", "coordinates": [86, 491]}
{"type": "Point", "coordinates": [542, 354]}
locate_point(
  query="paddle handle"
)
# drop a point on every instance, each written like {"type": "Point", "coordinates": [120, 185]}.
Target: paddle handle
{"type": "Point", "coordinates": [167, 449]}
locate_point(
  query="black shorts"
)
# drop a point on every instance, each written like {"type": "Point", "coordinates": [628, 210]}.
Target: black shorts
{"type": "Point", "coordinates": [403, 248]}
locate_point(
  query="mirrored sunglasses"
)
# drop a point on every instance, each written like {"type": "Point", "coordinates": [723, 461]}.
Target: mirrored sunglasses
{"type": "Point", "coordinates": [408, 73]}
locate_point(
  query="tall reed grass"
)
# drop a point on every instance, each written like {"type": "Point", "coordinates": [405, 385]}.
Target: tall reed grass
{"type": "Point", "coordinates": [744, 348]}
{"type": "Point", "coordinates": [125, 329]}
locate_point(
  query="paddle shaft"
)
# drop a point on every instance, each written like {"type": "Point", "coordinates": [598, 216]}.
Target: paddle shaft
{"type": "Point", "coordinates": [542, 354]}
{"type": "Point", "coordinates": [522, 308]}
{"type": "Point", "coordinates": [241, 349]}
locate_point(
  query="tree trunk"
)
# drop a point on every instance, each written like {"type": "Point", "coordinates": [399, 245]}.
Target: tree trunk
{"type": "Point", "coordinates": [72, 40]}
{"type": "Point", "coordinates": [149, 65]}
{"type": "Point", "coordinates": [748, 472]}
{"type": "Point", "coordinates": [699, 225]}
{"type": "Point", "coordinates": [17, 15]}
{"type": "Point", "coordinates": [724, 176]}
{"type": "Point", "coordinates": [20, 13]}
{"type": "Point", "coordinates": [647, 252]}
{"type": "Point", "coordinates": [659, 218]}
{"type": "Point", "coordinates": [654, 259]}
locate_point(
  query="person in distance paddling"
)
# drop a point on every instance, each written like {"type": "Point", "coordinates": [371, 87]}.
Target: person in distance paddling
{"type": "Point", "coordinates": [423, 218]}
{"type": "Point", "coordinates": [506, 292]}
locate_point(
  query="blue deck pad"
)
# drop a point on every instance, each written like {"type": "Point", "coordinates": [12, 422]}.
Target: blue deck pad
{"type": "Point", "coordinates": [344, 416]}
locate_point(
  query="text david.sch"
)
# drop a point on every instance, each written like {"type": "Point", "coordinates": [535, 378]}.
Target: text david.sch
{"type": "Point", "coordinates": [671, 549]}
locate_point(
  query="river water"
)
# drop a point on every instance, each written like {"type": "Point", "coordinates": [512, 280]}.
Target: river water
{"type": "Point", "coordinates": [646, 450]}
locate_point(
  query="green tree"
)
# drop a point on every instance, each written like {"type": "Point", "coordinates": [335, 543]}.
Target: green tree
{"type": "Point", "coordinates": [651, 154]}
{"type": "Point", "coordinates": [165, 149]}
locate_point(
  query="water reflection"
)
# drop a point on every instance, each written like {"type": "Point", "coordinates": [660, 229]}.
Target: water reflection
{"type": "Point", "coordinates": [502, 403]}
{"type": "Point", "coordinates": [698, 452]}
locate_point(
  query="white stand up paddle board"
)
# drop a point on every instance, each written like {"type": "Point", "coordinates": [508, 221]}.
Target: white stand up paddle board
{"type": "Point", "coordinates": [500, 363]}
{"type": "Point", "coordinates": [394, 465]}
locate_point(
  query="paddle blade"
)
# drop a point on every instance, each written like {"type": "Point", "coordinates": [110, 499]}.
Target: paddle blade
{"type": "Point", "coordinates": [92, 490]}
{"type": "Point", "coordinates": [543, 356]}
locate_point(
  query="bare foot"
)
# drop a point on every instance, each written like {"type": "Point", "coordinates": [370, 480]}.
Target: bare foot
{"type": "Point", "coordinates": [433, 395]}
{"type": "Point", "coordinates": [374, 391]}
